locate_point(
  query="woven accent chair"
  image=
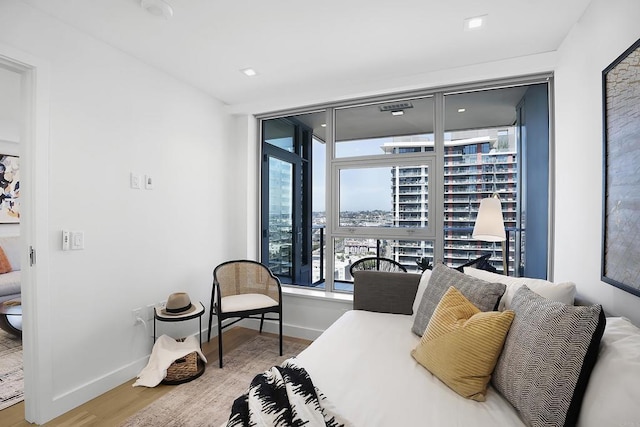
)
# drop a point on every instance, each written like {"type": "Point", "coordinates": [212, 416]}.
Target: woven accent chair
{"type": "Point", "coordinates": [376, 263]}
{"type": "Point", "coordinates": [244, 289]}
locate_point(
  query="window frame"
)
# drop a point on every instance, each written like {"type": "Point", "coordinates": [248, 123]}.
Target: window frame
{"type": "Point", "coordinates": [389, 160]}
{"type": "Point", "coordinates": [436, 196]}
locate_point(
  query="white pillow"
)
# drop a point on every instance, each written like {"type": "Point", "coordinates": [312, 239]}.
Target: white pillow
{"type": "Point", "coordinates": [562, 292]}
{"type": "Point", "coordinates": [613, 392]}
{"type": "Point", "coordinates": [424, 280]}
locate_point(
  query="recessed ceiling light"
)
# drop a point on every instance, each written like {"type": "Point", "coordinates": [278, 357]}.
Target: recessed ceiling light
{"type": "Point", "coordinates": [324, 125]}
{"type": "Point", "coordinates": [159, 8]}
{"type": "Point", "coordinates": [475, 23]}
{"type": "Point", "coordinates": [249, 72]}
{"type": "Point", "coordinates": [461, 110]}
{"type": "Point", "coordinates": [397, 113]}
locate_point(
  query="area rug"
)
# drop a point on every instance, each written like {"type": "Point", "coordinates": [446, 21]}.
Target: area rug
{"type": "Point", "coordinates": [206, 401]}
{"type": "Point", "coordinates": [11, 377]}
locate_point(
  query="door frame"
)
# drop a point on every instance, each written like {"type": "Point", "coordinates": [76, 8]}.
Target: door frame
{"type": "Point", "coordinates": [34, 233]}
{"type": "Point", "coordinates": [296, 164]}
{"type": "Point", "coordinates": [300, 159]}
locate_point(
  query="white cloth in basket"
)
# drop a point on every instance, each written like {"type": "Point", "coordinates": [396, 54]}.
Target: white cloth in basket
{"type": "Point", "coordinates": [165, 351]}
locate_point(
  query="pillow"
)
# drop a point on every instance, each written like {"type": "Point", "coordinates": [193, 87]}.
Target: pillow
{"type": "Point", "coordinates": [422, 286]}
{"type": "Point", "coordinates": [483, 295]}
{"type": "Point", "coordinates": [5, 265]}
{"type": "Point", "coordinates": [614, 390]}
{"type": "Point", "coordinates": [461, 344]}
{"type": "Point", "coordinates": [562, 292]}
{"type": "Point", "coordinates": [547, 358]}
{"type": "Point", "coordinates": [384, 291]}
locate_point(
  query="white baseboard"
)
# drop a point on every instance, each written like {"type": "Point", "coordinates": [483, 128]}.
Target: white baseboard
{"type": "Point", "coordinates": [85, 392]}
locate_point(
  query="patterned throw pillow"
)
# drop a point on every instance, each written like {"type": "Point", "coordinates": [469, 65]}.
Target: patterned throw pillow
{"type": "Point", "coordinates": [483, 295]}
{"type": "Point", "coordinates": [461, 344]}
{"type": "Point", "coordinates": [548, 357]}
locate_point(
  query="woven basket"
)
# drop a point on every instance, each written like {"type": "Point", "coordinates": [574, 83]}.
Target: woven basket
{"type": "Point", "coordinates": [183, 368]}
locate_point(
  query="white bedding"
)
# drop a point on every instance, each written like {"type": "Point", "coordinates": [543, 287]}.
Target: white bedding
{"type": "Point", "coordinates": [362, 363]}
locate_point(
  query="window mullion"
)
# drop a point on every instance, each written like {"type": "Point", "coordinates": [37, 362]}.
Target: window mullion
{"type": "Point", "coordinates": [330, 200]}
{"type": "Point", "coordinates": [437, 181]}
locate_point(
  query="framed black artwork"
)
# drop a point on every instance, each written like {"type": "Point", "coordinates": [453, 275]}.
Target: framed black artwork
{"type": "Point", "coordinates": [621, 171]}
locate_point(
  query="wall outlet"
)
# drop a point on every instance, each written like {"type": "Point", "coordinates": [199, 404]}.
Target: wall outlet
{"type": "Point", "coordinates": [137, 314]}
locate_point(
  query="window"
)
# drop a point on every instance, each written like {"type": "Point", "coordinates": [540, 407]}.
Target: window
{"type": "Point", "coordinates": [395, 195]}
{"type": "Point", "coordinates": [286, 217]}
{"type": "Point", "coordinates": [401, 186]}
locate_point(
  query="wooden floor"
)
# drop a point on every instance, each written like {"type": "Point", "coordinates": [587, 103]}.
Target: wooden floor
{"type": "Point", "coordinates": [115, 406]}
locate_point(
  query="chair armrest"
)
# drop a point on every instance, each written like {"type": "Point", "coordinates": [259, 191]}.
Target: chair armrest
{"type": "Point", "coordinates": [385, 292]}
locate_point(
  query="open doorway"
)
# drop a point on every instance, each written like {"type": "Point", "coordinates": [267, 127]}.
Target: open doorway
{"type": "Point", "coordinates": [11, 354]}
{"type": "Point", "coordinates": [32, 108]}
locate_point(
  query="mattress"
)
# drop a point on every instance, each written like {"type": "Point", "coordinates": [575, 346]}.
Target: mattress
{"type": "Point", "coordinates": [363, 365]}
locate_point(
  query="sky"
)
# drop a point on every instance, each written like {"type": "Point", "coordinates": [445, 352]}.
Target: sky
{"type": "Point", "coordinates": [361, 189]}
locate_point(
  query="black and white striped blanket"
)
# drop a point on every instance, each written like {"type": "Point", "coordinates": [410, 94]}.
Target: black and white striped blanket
{"type": "Point", "coordinates": [283, 396]}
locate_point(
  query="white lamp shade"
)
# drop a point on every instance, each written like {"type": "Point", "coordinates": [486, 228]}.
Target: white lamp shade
{"type": "Point", "coordinates": [489, 225]}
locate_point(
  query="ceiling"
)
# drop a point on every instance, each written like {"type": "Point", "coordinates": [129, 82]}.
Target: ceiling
{"type": "Point", "coordinates": [326, 47]}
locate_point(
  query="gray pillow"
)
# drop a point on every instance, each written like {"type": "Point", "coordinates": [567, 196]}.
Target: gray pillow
{"type": "Point", "coordinates": [483, 295]}
{"type": "Point", "coordinates": [547, 358]}
{"type": "Point", "coordinates": [384, 292]}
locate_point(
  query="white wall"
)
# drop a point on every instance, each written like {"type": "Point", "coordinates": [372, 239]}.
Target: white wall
{"type": "Point", "coordinates": [605, 31]}
{"type": "Point", "coordinates": [10, 105]}
{"type": "Point", "coordinates": [111, 115]}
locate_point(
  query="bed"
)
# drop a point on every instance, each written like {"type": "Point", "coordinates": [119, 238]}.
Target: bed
{"type": "Point", "coordinates": [365, 364]}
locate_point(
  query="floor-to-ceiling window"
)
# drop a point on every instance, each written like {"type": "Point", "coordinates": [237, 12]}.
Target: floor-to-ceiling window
{"type": "Point", "coordinates": [402, 177]}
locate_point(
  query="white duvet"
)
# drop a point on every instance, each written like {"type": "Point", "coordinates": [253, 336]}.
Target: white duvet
{"type": "Point", "coordinates": [362, 363]}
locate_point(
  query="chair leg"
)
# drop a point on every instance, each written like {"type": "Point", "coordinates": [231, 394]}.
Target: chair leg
{"type": "Point", "coordinates": [211, 314]}
{"type": "Point", "coordinates": [220, 340]}
{"type": "Point", "coordinates": [280, 317]}
{"type": "Point", "coordinates": [210, 321]}
{"type": "Point", "coordinates": [261, 322]}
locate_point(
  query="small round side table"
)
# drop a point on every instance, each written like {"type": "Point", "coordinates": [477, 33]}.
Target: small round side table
{"type": "Point", "coordinates": [11, 316]}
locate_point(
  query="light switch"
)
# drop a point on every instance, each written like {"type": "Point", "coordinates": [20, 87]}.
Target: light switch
{"type": "Point", "coordinates": [148, 182]}
{"type": "Point", "coordinates": [136, 181]}
{"type": "Point", "coordinates": [77, 240]}
{"type": "Point", "coordinates": [65, 240]}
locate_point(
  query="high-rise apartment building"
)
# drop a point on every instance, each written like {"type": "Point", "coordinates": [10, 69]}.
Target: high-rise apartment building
{"type": "Point", "coordinates": [477, 164]}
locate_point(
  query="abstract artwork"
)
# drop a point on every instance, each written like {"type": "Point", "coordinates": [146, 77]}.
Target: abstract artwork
{"type": "Point", "coordinates": [10, 189]}
{"type": "Point", "coordinates": [621, 175]}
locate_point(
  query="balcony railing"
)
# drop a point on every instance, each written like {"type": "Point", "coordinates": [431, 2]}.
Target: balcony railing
{"type": "Point", "coordinates": [459, 247]}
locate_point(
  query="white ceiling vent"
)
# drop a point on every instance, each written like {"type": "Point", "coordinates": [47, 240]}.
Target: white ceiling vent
{"type": "Point", "coordinates": [396, 106]}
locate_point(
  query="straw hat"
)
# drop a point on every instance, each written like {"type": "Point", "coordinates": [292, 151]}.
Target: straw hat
{"type": "Point", "coordinates": [178, 304]}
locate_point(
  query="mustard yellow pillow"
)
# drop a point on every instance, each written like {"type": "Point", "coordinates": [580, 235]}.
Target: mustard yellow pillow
{"type": "Point", "coordinates": [461, 344]}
